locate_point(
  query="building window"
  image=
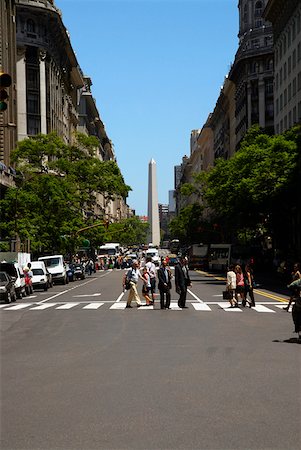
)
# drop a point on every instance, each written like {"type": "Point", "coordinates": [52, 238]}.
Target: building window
{"type": "Point", "coordinates": [299, 51]}
{"type": "Point", "coordinates": [294, 87]}
{"type": "Point", "coordinates": [33, 125]}
{"type": "Point", "coordinates": [269, 64]}
{"type": "Point", "coordinates": [289, 38]}
{"type": "Point", "coordinates": [299, 111]}
{"type": "Point", "coordinates": [33, 105]}
{"type": "Point", "coordinates": [30, 26]}
{"type": "Point", "coordinates": [245, 15]}
{"type": "Point", "coordinates": [281, 102]}
{"type": "Point", "coordinates": [299, 81]}
{"type": "Point", "coordinates": [289, 69]}
{"type": "Point", "coordinates": [280, 76]}
{"type": "Point", "coordinates": [285, 122]}
{"type": "Point", "coordinates": [258, 9]}
{"type": "Point", "coordinates": [277, 106]}
{"type": "Point", "coordinates": [284, 71]}
{"type": "Point", "coordinates": [290, 119]}
{"type": "Point", "coordinates": [269, 87]}
{"type": "Point", "coordinates": [289, 92]}
{"type": "Point", "coordinates": [284, 44]}
{"type": "Point", "coordinates": [294, 58]}
{"type": "Point", "coordinates": [277, 81]}
{"type": "Point", "coordinates": [298, 19]}
{"type": "Point", "coordinates": [294, 114]}
{"type": "Point", "coordinates": [294, 30]}
{"type": "Point", "coordinates": [32, 79]}
{"type": "Point", "coordinates": [285, 97]}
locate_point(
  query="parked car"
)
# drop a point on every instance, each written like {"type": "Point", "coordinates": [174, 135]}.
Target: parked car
{"type": "Point", "coordinates": [79, 271]}
{"type": "Point", "coordinates": [70, 272]}
{"type": "Point", "coordinates": [15, 272]}
{"type": "Point", "coordinates": [7, 288]}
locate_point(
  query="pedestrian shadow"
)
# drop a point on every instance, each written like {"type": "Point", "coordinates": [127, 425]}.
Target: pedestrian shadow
{"type": "Point", "coordinates": [290, 341]}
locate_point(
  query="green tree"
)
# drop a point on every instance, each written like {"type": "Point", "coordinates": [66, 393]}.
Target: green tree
{"type": "Point", "coordinates": [56, 191]}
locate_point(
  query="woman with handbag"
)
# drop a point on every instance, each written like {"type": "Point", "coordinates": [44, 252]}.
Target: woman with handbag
{"type": "Point", "coordinates": [231, 286]}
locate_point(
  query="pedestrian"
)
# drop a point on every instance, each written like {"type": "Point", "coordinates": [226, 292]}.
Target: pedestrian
{"type": "Point", "coordinates": [296, 311]}
{"type": "Point", "coordinates": [132, 276]}
{"type": "Point", "coordinates": [151, 268]}
{"type": "Point", "coordinates": [295, 275]}
{"type": "Point", "coordinates": [164, 284]}
{"type": "Point", "coordinates": [231, 285]}
{"type": "Point", "coordinates": [249, 286]}
{"type": "Point", "coordinates": [146, 286]}
{"type": "Point", "coordinates": [182, 281]}
{"type": "Point", "coordinates": [240, 285]}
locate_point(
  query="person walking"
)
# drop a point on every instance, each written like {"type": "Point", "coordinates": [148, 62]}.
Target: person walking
{"type": "Point", "coordinates": [146, 286]}
{"type": "Point", "coordinates": [132, 276]}
{"type": "Point", "coordinates": [164, 284]}
{"type": "Point", "coordinates": [231, 285]}
{"type": "Point", "coordinates": [295, 275]}
{"type": "Point", "coordinates": [240, 285]}
{"type": "Point", "coordinates": [296, 311]}
{"type": "Point", "coordinates": [151, 268]}
{"type": "Point", "coordinates": [182, 281]}
{"type": "Point", "coordinates": [249, 286]}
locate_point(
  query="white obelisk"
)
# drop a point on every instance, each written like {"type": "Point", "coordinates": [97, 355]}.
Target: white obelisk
{"type": "Point", "coordinates": [153, 209]}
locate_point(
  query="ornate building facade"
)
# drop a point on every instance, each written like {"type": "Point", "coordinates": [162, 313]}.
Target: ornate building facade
{"type": "Point", "coordinates": [253, 69]}
{"type": "Point", "coordinates": [285, 16]}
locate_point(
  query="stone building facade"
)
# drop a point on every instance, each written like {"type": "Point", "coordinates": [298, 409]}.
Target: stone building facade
{"type": "Point", "coordinates": [285, 16]}
{"type": "Point", "coordinates": [8, 118]}
{"type": "Point", "coordinates": [253, 70]}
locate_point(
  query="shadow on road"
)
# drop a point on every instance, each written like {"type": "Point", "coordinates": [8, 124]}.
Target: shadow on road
{"type": "Point", "coordinates": [290, 341]}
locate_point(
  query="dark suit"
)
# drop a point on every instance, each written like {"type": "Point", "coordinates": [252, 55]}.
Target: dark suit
{"type": "Point", "coordinates": [164, 286]}
{"type": "Point", "coordinates": [182, 280]}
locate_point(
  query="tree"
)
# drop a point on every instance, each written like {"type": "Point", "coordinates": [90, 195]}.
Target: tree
{"type": "Point", "coordinates": [57, 190]}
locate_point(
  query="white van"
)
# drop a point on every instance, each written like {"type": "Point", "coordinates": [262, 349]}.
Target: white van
{"type": "Point", "coordinates": [56, 266]}
{"type": "Point", "coordinates": [39, 275]}
{"type": "Point", "coordinates": [15, 271]}
{"type": "Point", "coordinates": [153, 253]}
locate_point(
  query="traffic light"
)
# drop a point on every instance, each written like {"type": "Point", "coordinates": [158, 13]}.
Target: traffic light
{"type": "Point", "coordinates": [5, 82]}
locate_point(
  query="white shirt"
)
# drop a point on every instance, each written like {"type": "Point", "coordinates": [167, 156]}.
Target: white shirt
{"type": "Point", "coordinates": [231, 279]}
{"type": "Point", "coordinates": [151, 268]}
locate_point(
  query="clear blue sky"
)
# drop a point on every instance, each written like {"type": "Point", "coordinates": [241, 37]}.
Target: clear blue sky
{"type": "Point", "coordinates": [157, 67]}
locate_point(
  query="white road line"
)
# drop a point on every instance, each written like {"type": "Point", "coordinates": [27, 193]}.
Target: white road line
{"type": "Point", "coordinates": [95, 305]}
{"type": "Point", "coordinates": [146, 307]}
{"type": "Point", "coordinates": [175, 306]}
{"type": "Point", "coordinates": [3, 306]}
{"type": "Point", "coordinates": [120, 296]}
{"type": "Point", "coordinates": [201, 307]}
{"type": "Point", "coordinates": [193, 295]}
{"type": "Point", "coordinates": [87, 295]}
{"type": "Point", "coordinates": [227, 307]}
{"type": "Point", "coordinates": [120, 305]}
{"type": "Point", "coordinates": [67, 306]}
{"type": "Point", "coordinates": [20, 306]}
{"type": "Point", "coordinates": [42, 307]}
{"type": "Point", "coordinates": [67, 290]}
{"type": "Point", "coordinates": [261, 308]}
{"type": "Point", "coordinates": [282, 306]}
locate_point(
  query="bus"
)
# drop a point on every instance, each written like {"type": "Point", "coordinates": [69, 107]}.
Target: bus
{"type": "Point", "coordinates": [219, 256]}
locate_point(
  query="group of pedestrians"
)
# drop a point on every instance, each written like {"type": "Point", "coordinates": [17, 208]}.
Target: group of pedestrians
{"type": "Point", "coordinates": [149, 275]}
{"type": "Point", "coordinates": [240, 283]}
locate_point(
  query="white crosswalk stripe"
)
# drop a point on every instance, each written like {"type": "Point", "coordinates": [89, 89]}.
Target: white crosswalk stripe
{"type": "Point", "coordinates": [118, 305]}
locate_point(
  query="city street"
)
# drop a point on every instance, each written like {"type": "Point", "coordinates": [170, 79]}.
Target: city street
{"type": "Point", "coordinates": [81, 372]}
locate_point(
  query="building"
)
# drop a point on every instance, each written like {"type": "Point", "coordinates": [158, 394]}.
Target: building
{"type": "Point", "coordinates": [253, 70]}
{"type": "Point", "coordinates": [285, 16]}
{"type": "Point", "coordinates": [153, 209]}
{"type": "Point", "coordinates": [8, 118]}
{"type": "Point", "coordinates": [222, 122]}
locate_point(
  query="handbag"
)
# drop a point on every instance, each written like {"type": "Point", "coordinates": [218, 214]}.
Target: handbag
{"type": "Point", "coordinates": [227, 295]}
{"type": "Point", "coordinates": [127, 285]}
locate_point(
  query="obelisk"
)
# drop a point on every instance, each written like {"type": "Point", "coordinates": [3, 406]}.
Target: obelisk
{"type": "Point", "coordinates": [153, 209]}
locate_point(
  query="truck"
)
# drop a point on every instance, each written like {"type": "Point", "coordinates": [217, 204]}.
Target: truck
{"type": "Point", "coordinates": [110, 249]}
{"type": "Point", "coordinates": [219, 256]}
{"type": "Point", "coordinates": [198, 256]}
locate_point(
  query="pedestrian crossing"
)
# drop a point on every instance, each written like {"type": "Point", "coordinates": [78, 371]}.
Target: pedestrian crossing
{"type": "Point", "coordinates": [261, 307]}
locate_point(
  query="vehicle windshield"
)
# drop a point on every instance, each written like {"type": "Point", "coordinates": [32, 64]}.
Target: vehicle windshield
{"type": "Point", "coordinates": [51, 262]}
{"type": "Point", "coordinates": [37, 272]}
{"type": "Point", "coordinates": [3, 277]}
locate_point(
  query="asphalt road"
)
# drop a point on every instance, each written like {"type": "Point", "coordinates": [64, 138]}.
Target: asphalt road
{"type": "Point", "coordinates": [87, 379]}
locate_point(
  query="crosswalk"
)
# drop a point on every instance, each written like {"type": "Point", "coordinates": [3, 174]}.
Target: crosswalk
{"type": "Point", "coordinates": [261, 307]}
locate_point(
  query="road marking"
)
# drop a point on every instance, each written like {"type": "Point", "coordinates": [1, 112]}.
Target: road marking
{"type": "Point", "coordinates": [201, 307]}
{"type": "Point", "coordinates": [3, 306]}
{"type": "Point", "coordinates": [67, 290]}
{"type": "Point", "coordinates": [227, 307]}
{"type": "Point", "coordinates": [67, 306]}
{"type": "Point", "coordinates": [272, 296]}
{"type": "Point", "coordinates": [261, 308]}
{"type": "Point", "coordinates": [146, 307]}
{"type": "Point", "coordinates": [193, 295]}
{"type": "Point", "coordinates": [42, 307]}
{"type": "Point", "coordinates": [95, 305]}
{"type": "Point", "coordinates": [282, 307]}
{"type": "Point", "coordinates": [175, 306]}
{"type": "Point", "coordinates": [120, 305]}
{"type": "Point", "coordinates": [87, 295]}
{"type": "Point", "coordinates": [20, 306]}
{"type": "Point", "coordinates": [120, 296]}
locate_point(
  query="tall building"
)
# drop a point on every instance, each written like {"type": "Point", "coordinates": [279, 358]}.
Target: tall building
{"type": "Point", "coordinates": [153, 209]}
{"type": "Point", "coordinates": [285, 16]}
{"type": "Point", "coordinates": [8, 118]}
{"type": "Point", "coordinates": [253, 69]}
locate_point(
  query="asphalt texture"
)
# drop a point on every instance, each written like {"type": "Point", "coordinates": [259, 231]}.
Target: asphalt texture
{"type": "Point", "coordinates": [84, 379]}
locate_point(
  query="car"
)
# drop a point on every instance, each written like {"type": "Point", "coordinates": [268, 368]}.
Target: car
{"type": "Point", "coordinates": [39, 278]}
{"type": "Point", "coordinates": [7, 288]}
{"type": "Point", "coordinates": [56, 266]}
{"type": "Point", "coordinates": [15, 272]}
{"type": "Point", "coordinates": [79, 271]}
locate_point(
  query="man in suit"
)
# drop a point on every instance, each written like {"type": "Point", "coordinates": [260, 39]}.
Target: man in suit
{"type": "Point", "coordinates": [164, 285]}
{"type": "Point", "coordinates": [182, 281]}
